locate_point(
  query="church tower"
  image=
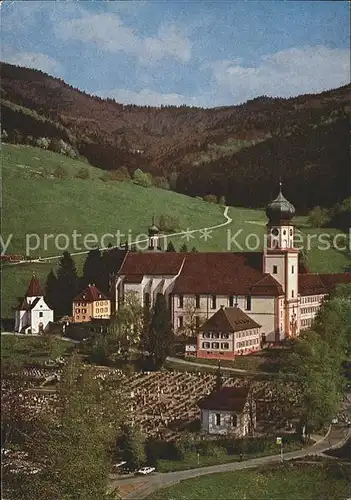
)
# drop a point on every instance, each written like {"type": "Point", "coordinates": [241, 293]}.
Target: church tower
{"type": "Point", "coordinates": [154, 237]}
{"type": "Point", "coordinates": [281, 260]}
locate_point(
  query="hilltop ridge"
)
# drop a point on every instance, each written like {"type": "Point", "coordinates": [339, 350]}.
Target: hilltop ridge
{"type": "Point", "coordinates": [234, 151]}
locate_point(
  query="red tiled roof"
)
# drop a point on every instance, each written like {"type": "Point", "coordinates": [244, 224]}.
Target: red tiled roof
{"type": "Point", "coordinates": [33, 288]}
{"type": "Point", "coordinates": [229, 319]}
{"type": "Point", "coordinates": [331, 281]}
{"type": "Point", "coordinates": [222, 273]}
{"type": "Point", "coordinates": [90, 294]}
{"type": "Point", "coordinates": [267, 286]}
{"type": "Point", "coordinates": [318, 284]}
{"type": "Point", "coordinates": [226, 399]}
{"type": "Point", "coordinates": [311, 284]}
{"type": "Point", "coordinates": [152, 263]}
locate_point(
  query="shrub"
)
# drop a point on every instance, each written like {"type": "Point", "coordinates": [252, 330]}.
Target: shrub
{"type": "Point", "coordinates": [106, 177]}
{"type": "Point", "coordinates": [211, 198]}
{"type": "Point", "coordinates": [42, 142]}
{"type": "Point", "coordinates": [121, 174]}
{"type": "Point", "coordinates": [60, 172]}
{"type": "Point", "coordinates": [221, 200]}
{"type": "Point", "coordinates": [83, 173]}
{"type": "Point", "coordinates": [141, 178]}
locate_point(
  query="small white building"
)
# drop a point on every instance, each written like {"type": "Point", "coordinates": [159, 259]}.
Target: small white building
{"type": "Point", "coordinates": [228, 411]}
{"type": "Point", "coordinates": [33, 315]}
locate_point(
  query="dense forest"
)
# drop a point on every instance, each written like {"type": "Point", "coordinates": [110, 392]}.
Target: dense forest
{"type": "Point", "coordinates": [236, 152]}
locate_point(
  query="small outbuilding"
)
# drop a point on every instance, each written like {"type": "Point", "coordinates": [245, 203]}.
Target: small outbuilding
{"type": "Point", "coordinates": [228, 411]}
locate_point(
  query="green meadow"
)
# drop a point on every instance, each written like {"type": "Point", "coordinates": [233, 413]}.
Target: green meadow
{"type": "Point", "coordinates": [288, 482]}
{"type": "Point", "coordinates": [52, 214]}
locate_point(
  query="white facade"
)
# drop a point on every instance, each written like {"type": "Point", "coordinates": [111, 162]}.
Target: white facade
{"type": "Point", "coordinates": [221, 422]}
{"type": "Point", "coordinates": [35, 318]}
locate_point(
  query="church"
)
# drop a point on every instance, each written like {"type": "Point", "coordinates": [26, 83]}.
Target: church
{"type": "Point", "coordinates": [33, 315]}
{"type": "Point", "coordinates": [272, 288]}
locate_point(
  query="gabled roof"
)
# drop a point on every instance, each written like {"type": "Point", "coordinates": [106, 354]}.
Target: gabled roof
{"type": "Point", "coordinates": [34, 288]}
{"type": "Point", "coordinates": [267, 286]}
{"type": "Point", "coordinates": [34, 303]}
{"type": "Point", "coordinates": [226, 399]}
{"type": "Point", "coordinates": [152, 263]}
{"type": "Point", "coordinates": [90, 294]}
{"type": "Point", "coordinates": [229, 319]}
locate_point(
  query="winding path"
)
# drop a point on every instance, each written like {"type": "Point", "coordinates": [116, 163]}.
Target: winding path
{"type": "Point", "coordinates": [187, 233]}
{"type": "Point", "coordinates": [144, 486]}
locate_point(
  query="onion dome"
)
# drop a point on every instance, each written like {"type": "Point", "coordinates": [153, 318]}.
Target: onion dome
{"type": "Point", "coordinates": [280, 209]}
{"type": "Point", "coordinates": [153, 229]}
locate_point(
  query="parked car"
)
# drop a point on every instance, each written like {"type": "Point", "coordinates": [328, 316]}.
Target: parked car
{"type": "Point", "coordinates": [145, 470]}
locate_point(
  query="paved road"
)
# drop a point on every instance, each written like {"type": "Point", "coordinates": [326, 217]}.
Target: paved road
{"type": "Point", "coordinates": [144, 486]}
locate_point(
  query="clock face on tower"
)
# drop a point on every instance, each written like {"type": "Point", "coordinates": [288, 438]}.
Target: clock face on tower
{"type": "Point", "coordinates": [275, 231]}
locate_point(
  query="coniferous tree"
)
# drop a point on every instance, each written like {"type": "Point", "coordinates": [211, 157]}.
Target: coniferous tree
{"type": "Point", "coordinates": [170, 247]}
{"type": "Point", "coordinates": [183, 248]}
{"type": "Point", "coordinates": [93, 270]}
{"type": "Point", "coordinates": [194, 249]}
{"type": "Point", "coordinates": [67, 284]}
{"type": "Point", "coordinates": [161, 336]}
{"type": "Point", "coordinates": [51, 291]}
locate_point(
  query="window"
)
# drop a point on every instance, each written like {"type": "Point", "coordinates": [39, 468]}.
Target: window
{"type": "Point", "coordinates": [147, 299]}
{"type": "Point", "coordinates": [218, 419]}
{"type": "Point", "coordinates": [83, 317]}
{"type": "Point", "coordinates": [225, 336]}
{"type": "Point", "coordinates": [180, 301]}
{"type": "Point", "coordinates": [180, 321]}
{"type": "Point", "coordinates": [248, 303]}
{"type": "Point", "coordinates": [206, 335]}
{"type": "Point", "coordinates": [292, 269]}
{"type": "Point", "coordinates": [215, 345]}
{"type": "Point", "coordinates": [275, 269]}
{"type": "Point", "coordinates": [214, 302]}
{"type": "Point", "coordinates": [292, 293]}
{"type": "Point", "coordinates": [234, 420]}
{"type": "Point", "coordinates": [205, 345]}
{"type": "Point", "coordinates": [197, 301]}
{"type": "Point", "coordinates": [231, 300]}
{"type": "Point", "coordinates": [224, 345]}
{"type": "Point", "coordinates": [215, 335]}
{"type": "Point", "coordinates": [40, 314]}
{"type": "Point", "coordinates": [78, 310]}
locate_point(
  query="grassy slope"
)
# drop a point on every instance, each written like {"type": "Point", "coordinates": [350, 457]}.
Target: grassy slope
{"type": "Point", "coordinates": [35, 203]}
{"type": "Point", "coordinates": [288, 483]}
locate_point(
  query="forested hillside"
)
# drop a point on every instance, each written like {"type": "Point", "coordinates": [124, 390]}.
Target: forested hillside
{"type": "Point", "coordinates": [236, 152]}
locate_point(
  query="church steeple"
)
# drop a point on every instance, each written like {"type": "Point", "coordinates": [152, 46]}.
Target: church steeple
{"type": "Point", "coordinates": [154, 233]}
{"type": "Point", "coordinates": [280, 210]}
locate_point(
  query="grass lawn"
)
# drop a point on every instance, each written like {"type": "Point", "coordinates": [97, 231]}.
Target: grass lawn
{"type": "Point", "coordinates": [191, 460]}
{"type": "Point", "coordinates": [288, 482]}
{"type": "Point", "coordinates": [25, 350]}
{"type": "Point", "coordinates": [35, 204]}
